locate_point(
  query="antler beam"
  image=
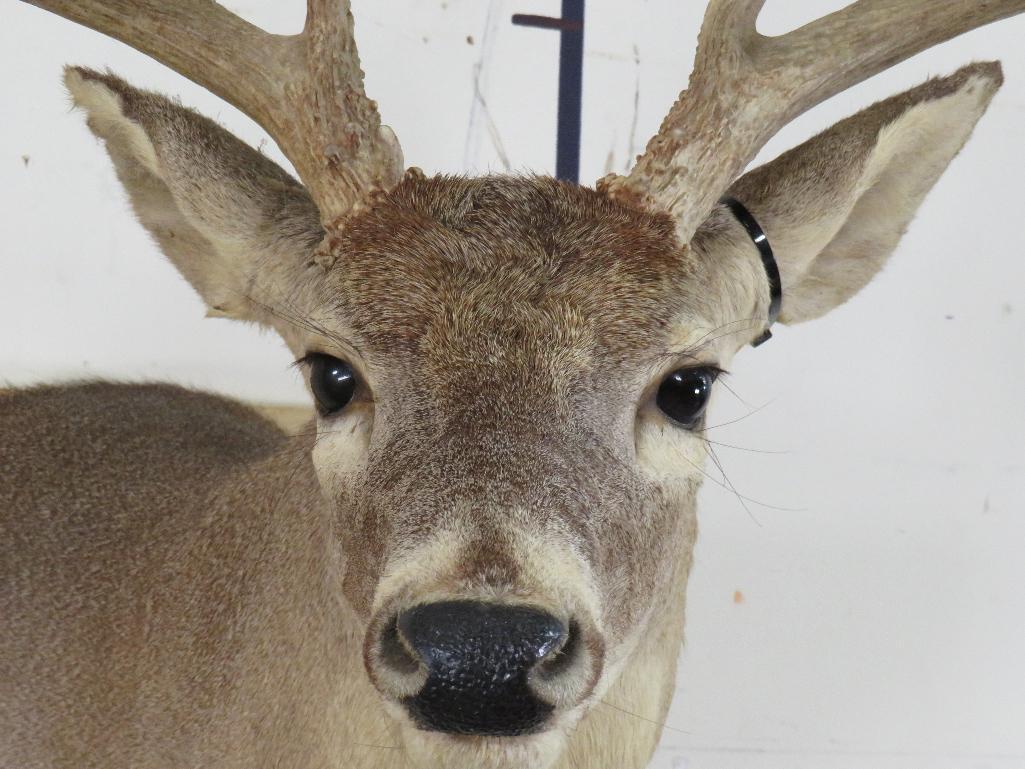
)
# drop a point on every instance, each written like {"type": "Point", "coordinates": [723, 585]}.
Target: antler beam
{"type": "Point", "coordinates": [745, 87]}
{"type": "Point", "coordinates": [305, 90]}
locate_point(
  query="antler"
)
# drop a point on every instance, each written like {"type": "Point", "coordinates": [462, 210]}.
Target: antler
{"type": "Point", "coordinates": [745, 87]}
{"type": "Point", "coordinates": [305, 90]}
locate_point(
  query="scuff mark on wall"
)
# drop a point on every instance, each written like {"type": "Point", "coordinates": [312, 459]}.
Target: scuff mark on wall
{"type": "Point", "coordinates": [631, 145]}
{"type": "Point", "coordinates": [479, 108]}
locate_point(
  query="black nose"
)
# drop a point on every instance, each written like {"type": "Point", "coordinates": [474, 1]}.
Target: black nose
{"type": "Point", "coordinates": [478, 657]}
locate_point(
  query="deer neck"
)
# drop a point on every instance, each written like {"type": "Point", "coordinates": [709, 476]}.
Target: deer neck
{"type": "Point", "coordinates": [293, 642]}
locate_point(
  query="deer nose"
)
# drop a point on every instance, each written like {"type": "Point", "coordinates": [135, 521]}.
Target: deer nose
{"type": "Point", "coordinates": [480, 659]}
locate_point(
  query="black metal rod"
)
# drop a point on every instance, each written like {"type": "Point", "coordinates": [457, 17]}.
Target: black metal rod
{"type": "Point", "coordinates": [544, 22]}
{"type": "Point", "coordinates": [571, 84]}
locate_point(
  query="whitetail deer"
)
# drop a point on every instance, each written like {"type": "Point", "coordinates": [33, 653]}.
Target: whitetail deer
{"type": "Point", "coordinates": [488, 528]}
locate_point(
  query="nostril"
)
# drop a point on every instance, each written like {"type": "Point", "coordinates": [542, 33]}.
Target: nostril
{"type": "Point", "coordinates": [561, 658]}
{"type": "Point", "coordinates": [566, 676]}
{"type": "Point", "coordinates": [394, 652]}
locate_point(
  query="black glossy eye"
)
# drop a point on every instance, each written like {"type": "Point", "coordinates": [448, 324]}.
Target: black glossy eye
{"type": "Point", "coordinates": [332, 380]}
{"type": "Point", "coordinates": [683, 395]}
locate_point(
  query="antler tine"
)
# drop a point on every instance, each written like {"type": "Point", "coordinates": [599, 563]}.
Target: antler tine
{"type": "Point", "coordinates": [861, 40]}
{"type": "Point", "coordinates": [306, 90]}
{"type": "Point", "coordinates": [349, 151]}
{"type": "Point", "coordinates": [745, 87]}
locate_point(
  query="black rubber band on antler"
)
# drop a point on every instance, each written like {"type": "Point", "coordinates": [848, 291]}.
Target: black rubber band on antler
{"type": "Point", "coordinates": [761, 241]}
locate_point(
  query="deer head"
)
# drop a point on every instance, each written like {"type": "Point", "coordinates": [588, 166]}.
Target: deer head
{"type": "Point", "coordinates": [511, 373]}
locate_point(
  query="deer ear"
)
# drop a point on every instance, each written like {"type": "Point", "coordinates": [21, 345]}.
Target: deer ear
{"type": "Point", "coordinates": [835, 207]}
{"type": "Point", "coordinates": [233, 222]}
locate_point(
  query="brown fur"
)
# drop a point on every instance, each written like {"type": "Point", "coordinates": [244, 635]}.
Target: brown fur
{"type": "Point", "coordinates": [184, 585]}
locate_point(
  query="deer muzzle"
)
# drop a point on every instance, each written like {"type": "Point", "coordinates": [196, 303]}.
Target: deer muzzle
{"type": "Point", "coordinates": [480, 668]}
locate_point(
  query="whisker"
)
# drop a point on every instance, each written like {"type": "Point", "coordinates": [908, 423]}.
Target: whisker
{"type": "Point", "coordinates": [722, 381]}
{"type": "Point", "coordinates": [778, 508]}
{"type": "Point", "coordinates": [660, 724]}
{"type": "Point", "coordinates": [729, 487]}
{"type": "Point", "coordinates": [380, 747]}
{"type": "Point", "coordinates": [741, 448]}
{"type": "Point", "coordinates": [704, 341]}
{"type": "Point", "coordinates": [292, 315]}
{"type": "Point", "coordinates": [738, 419]}
{"type": "Point", "coordinates": [701, 343]}
{"type": "Point", "coordinates": [711, 477]}
{"type": "Point", "coordinates": [711, 453]}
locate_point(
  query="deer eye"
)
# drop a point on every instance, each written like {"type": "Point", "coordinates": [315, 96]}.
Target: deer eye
{"type": "Point", "coordinates": [332, 380]}
{"type": "Point", "coordinates": [683, 395]}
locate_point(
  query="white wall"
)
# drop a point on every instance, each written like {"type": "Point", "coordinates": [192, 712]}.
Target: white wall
{"type": "Point", "coordinates": [883, 615]}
